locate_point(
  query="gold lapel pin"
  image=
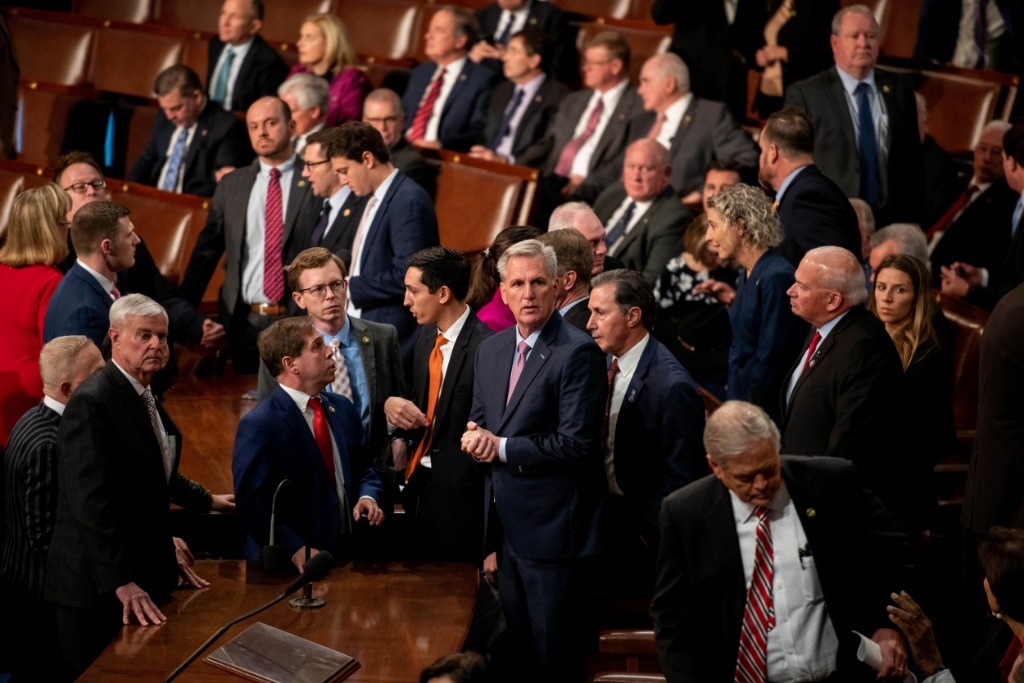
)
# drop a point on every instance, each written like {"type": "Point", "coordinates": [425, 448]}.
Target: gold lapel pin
{"type": "Point", "coordinates": [366, 340]}
{"type": "Point", "coordinates": [330, 408]}
{"type": "Point", "coordinates": [885, 89]}
{"type": "Point", "coordinates": [811, 512]}
{"type": "Point", "coordinates": [302, 183]}
{"type": "Point", "coordinates": [346, 212]}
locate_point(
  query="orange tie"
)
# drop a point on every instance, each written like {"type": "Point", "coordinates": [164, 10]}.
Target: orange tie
{"type": "Point", "coordinates": [433, 389]}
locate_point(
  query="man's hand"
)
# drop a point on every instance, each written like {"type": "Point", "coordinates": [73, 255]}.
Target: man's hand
{"type": "Point", "coordinates": [137, 602]}
{"type": "Point", "coordinates": [299, 558]}
{"type": "Point", "coordinates": [481, 152]}
{"type": "Point", "coordinates": [484, 50]}
{"type": "Point", "coordinates": [403, 413]}
{"type": "Point", "coordinates": [185, 563]}
{"type": "Point", "coordinates": [221, 172]}
{"type": "Point", "coordinates": [917, 627]}
{"type": "Point", "coordinates": [424, 144]}
{"type": "Point", "coordinates": [480, 443]}
{"type": "Point", "coordinates": [894, 655]}
{"type": "Point", "coordinates": [213, 333]}
{"type": "Point", "coordinates": [491, 569]}
{"type": "Point", "coordinates": [570, 187]}
{"type": "Point", "coordinates": [368, 507]}
{"type": "Point", "coordinates": [222, 501]}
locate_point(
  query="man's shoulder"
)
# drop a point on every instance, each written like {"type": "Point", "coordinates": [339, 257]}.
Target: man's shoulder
{"type": "Point", "coordinates": [35, 429]}
{"type": "Point", "coordinates": [664, 367]}
{"type": "Point", "coordinates": [373, 330]}
{"type": "Point", "coordinates": [806, 471]}
{"type": "Point", "coordinates": [668, 209]}
{"type": "Point", "coordinates": [819, 81]}
{"type": "Point", "coordinates": [696, 498]}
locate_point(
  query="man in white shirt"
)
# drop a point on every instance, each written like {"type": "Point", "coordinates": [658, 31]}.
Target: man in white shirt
{"type": "Point", "coordinates": [308, 97]}
{"type": "Point", "coordinates": [242, 67]}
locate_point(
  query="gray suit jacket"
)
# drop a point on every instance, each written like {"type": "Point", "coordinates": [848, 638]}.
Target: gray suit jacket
{"type": "Point", "coordinates": [657, 236]}
{"type": "Point", "coordinates": [707, 132]}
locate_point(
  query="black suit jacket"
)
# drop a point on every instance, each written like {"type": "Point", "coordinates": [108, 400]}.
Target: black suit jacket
{"type": "Point", "coordinates": [1005, 277]}
{"type": "Point", "coordinates": [260, 74]}
{"type": "Point", "coordinates": [858, 552]}
{"type": "Point", "coordinates": [835, 142]}
{"type": "Point", "coordinates": [980, 236]}
{"type": "Point", "coordinates": [561, 59]}
{"type": "Point", "coordinates": [579, 315]}
{"type": "Point", "coordinates": [342, 232]}
{"type": "Point", "coordinates": [409, 161]}
{"type": "Point", "coordinates": [113, 505]}
{"type": "Point", "coordinates": [220, 140]}
{"type": "Point", "coordinates": [814, 212]}
{"type": "Point", "coordinates": [530, 144]}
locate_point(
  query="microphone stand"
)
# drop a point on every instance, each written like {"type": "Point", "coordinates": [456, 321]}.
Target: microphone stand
{"type": "Point", "coordinates": [306, 600]}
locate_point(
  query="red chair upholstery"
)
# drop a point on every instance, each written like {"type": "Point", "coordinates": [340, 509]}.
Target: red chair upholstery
{"type": "Point", "coordinates": [132, 11]}
{"type": "Point", "coordinates": [127, 62]}
{"type": "Point", "coordinates": [51, 51]}
{"type": "Point", "coordinates": [194, 15]}
{"type": "Point", "coordinates": [283, 19]}
{"type": "Point", "coordinates": [389, 29]}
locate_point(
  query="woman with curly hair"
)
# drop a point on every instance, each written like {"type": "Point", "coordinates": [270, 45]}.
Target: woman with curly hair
{"type": "Point", "coordinates": [484, 294]}
{"type": "Point", "coordinates": [324, 51]}
{"type": "Point", "coordinates": [37, 240]}
{"type": "Point", "coordinates": [766, 336]}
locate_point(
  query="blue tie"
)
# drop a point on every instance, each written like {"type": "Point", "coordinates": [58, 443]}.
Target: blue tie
{"type": "Point", "coordinates": [506, 122]}
{"type": "Point", "coordinates": [870, 182]}
{"type": "Point", "coordinates": [506, 32]}
{"type": "Point", "coordinates": [220, 88]}
{"type": "Point", "coordinates": [174, 163]}
{"type": "Point", "coordinates": [1016, 217]}
{"type": "Point", "coordinates": [620, 228]}
{"type": "Point", "coordinates": [321, 225]}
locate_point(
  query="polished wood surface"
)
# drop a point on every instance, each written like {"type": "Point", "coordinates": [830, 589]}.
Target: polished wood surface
{"type": "Point", "coordinates": [394, 617]}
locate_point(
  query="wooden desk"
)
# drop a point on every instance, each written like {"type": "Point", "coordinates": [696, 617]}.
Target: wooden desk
{"type": "Point", "coordinates": [395, 618]}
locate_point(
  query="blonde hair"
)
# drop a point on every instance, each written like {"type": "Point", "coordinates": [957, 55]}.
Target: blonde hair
{"type": "Point", "coordinates": [336, 44]}
{"type": "Point", "coordinates": [34, 234]}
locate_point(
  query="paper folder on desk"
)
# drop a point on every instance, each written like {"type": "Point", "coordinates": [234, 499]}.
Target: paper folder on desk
{"type": "Point", "coordinates": [270, 655]}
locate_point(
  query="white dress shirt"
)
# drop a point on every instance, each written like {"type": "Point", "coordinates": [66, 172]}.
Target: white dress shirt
{"type": "Point", "coordinates": [255, 227]}
{"type": "Point", "coordinates": [613, 220]}
{"type": "Point", "coordinates": [240, 51]}
{"type": "Point", "coordinates": [450, 335]}
{"type": "Point", "coordinates": [451, 76]}
{"type": "Point", "coordinates": [581, 163]}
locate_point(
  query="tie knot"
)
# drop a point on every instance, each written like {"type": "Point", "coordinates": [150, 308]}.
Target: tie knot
{"type": "Point", "coordinates": [440, 341]}
{"type": "Point", "coordinates": [761, 512]}
{"type": "Point", "coordinates": [613, 367]}
{"type": "Point", "coordinates": [335, 343]}
{"type": "Point", "coordinates": [314, 404]}
{"type": "Point", "coordinates": [863, 88]}
{"type": "Point", "coordinates": [275, 173]}
{"type": "Point", "coordinates": [524, 348]}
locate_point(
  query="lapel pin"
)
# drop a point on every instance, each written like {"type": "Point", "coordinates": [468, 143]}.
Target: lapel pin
{"type": "Point", "coordinates": [346, 212]}
{"type": "Point", "coordinates": [811, 513]}
{"type": "Point", "coordinates": [533, 21]}
{"type": "Point", "coordinates": [462, 77]}
{"type": "Point", "coordinates": [330, 408]}
{"type": "Point", "coordinates": [366, 339]}
{"type": "Point", "coordinates": [687, 119]}
{"type": "Point", "coordinates": [885, 89]}
{"type": "Point", "coordinates": [302, 183]}
{"type": "Point", "coordinates": [204, 132]}
{"type": "Point", "coordinates": [536, 98]}
{"type": "Point", "coordinates": [632, 396]}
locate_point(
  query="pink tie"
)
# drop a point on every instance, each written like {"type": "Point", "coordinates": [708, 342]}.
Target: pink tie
{"type": "Point", "coordinates": [357, 241]}
{"type": "Point", "coordinates": [273, 235]}
{"type": "Point", "coordinates": [759, 615]}
{"type": "Point", "coordinates": [572, 148]}
{"type": "Point", "coordinates": [659, 123]}
{"type": "Point", "coordinates": [423, 114]}
{"type": "Point", "coordinates": [517, 369]}
{"type": "Point", "coordinates": [114, 292]}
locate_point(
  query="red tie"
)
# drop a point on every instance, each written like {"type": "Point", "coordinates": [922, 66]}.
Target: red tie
{"type": "Point", "coordinates": [322, 434]}
{"type": "Point", "coordinates": [947, 217]}
{"type": "Point", "coordinates": [273, 234]}
{"type": "Point", "coordinates": [419, 123]}
{"type": "Point", "coordinates": [572, 148]}
{"type": "Point", "coordinates": [759, 615]}
{"type": "Point", "coordinates": [436, 366]}
{"type": "Point", "coordinates": [810, 350]}
{"type": "Point", "coordinates": [115, 292]}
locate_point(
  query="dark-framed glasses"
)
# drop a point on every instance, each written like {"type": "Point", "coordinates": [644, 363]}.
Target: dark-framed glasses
{"type": "Point", "coordinates": [80, 188]}
{"type": "Point", "coordinates": [320, 291]}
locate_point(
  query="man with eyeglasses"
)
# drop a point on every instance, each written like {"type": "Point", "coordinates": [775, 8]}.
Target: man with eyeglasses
{"type": "Point", "coordinates": [341, 208]}
{"type": "Point", "coordinates": [382, 109]}
{"type": "Point", "coordinates": [369, 368]}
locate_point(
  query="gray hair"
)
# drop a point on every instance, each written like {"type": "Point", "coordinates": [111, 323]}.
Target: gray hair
{"type": "Point", "coordinates": [736, 427]}
{"type": "Point", "coordinates": [909, 239]}
{"type": "Point", "coordinates": [749, 209]}
{"type": "Point", "coordinates": [837, 20]}
{"type": "Point", "coordinates": [865, 216]}
{"type": "Point", "coordinates": [997, 124]}
{"type": "Point", "coordinates": [138, 305]}
{"type": "Point", "coordinates": [840, 272]}
{"type": "Point", "coordinates": [530, 249]}
{"type": "Point", "coordinates": [58, 361]}
{"type": "Point", "coordinates": [386, 95]}
{"type": "Point", "coordinates": [564, 217]}
{"type": "Point", "coordinates": [671, 65]}
{"type": "Point", "coordinates": [309, 90]}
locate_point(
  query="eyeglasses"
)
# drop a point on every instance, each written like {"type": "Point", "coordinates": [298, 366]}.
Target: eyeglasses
{"type": "Point", "coordinates": [380, 121]}
{"type": "Point", "coordinates": [79, 188]}
{"type": "Point", "coordinates": [310, 165]}
{"type": "Point", "coordinates": [320, 291]}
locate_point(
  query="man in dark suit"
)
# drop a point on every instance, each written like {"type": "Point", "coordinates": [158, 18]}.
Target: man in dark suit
{"type": "Point", "coordinates": [575, 263]}
{"type": "Point", "coordinates": [112, 557]}
{"type": "Point", "coordinates": [341, 209]}
{"type": "Point", "coordinates": [399, 220]}
{"type": "Point", "coordinates": [308, 96]}
{"type": "Point", "coordinates": [194, 143]}
{"type": "Point", "coordinates": [655, 423]}
{"type": "Point", "coordinates": [588, 135]}
{"type": "Point", "coordinates": [27, 627]}
{"type": "Point", "coordinates": [447, 97]}
{"type": "Point", "coordinates": [311, 438]}
{"type": "Point", "coordinates": [258, 219]}
{"type": "Point", "coordinates": [873, 154]}
{"type": "Point", "coordinates": [538, 396]}
{"type": "Point", "coordinates": [642, 215]}
{"type": "Point", "coordinates": [443, 488]}
{"type": "Point", "coordinates": [580, 217]}
{"type": "Point", "coordinates": [813, 211]}
{"type": "Point", "coordinates": [502, 19]}
{"type": "Point", "coordinates": [694, 130]}
{"type": "Point", "coordinates": [522, 106]}
{"type": "Point", "coordinates": [760, 523]}
{"type": "Point", "coordinates": [848, 379]}
{"type": "Point", "coordinates": [382, 109]}
{"type": "Point", "coordinates": [241, 67]}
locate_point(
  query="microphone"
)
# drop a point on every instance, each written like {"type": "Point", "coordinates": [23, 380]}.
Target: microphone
{"type": "Point", "coordinates": [315, 569]}
{"type": "Point", "coordinates": [275, 557]}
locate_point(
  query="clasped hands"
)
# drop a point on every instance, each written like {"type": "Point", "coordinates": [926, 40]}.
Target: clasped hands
{"type": "Point", "coordinates": [480, 443]}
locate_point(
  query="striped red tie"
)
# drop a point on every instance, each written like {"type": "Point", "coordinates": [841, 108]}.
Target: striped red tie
{"type": "Point", "coordinates": [273, 236]}
{"type": "Point", "coordinates": [759, 616]}
{"type": "Point", "coordinates": [423, 114]}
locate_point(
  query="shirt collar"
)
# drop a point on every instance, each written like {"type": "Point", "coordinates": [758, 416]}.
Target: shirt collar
{"type": "Point", "coordinates": [382, 189]}
{"type": "Point", "coordinates": [53, 404]}
{"type": "Point", "coordinates": [742, 511]}
{"type": "Point", "coordinates": [787, 182]}
{"type": "Point", "coordinates": [106, 284]}
{"type": "Point", "coordinates": [301, 398]}
{"type": "Point", "coordinates": [831, 324]}
{"type": "Point", "coordinates": [630, 359]}
{"type": "Point", "coordinates": [284, 167]}
{"type": "Point", "coordinates": [850, 83]}
{"type": "Point", "coordinates": [139, 389]}
{"type": "Point", "coordinates": [344, 335]}
{"type": "Point", "coordinates": [452, 333]}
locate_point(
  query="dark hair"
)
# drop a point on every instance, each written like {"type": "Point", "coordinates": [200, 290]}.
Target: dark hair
{"type": "Point", "coordinates": [790, 130]}
{"type": "Point", "coordinates": [1001, 554]}
{"type": "Point", "coordinates": [484, 278]}
{"type": "Point", "coordinates": [534, 42]}
{"type": "Point", "coordinates": [1013, 143]}
{"type": "Point", "coordinates": [354, 138]}
{"type": "Point", "coordinates": [74, 157]}
{"type": "Point", "coordinates": [286, 337]}
{"type": "Point", "coordinates": [257, 9]}
{"type": "Point", "coordinates": [461, 667]}
{"type": "Point", "coordinates": [465, 24]}
{"type": "Point", "coordinates": [314, 257]}
{"type": "Point", "coordinates": [725, 165]}
{"type": "Point", "coordinates": [631, 290]}
{"type": "Point", "coordinates": [442, 267]}
{"type": "Point", "coordinates": [178, 77]}
{"type": "Point", "coordinates": [95, 222]}
{"type": "Point", "coordinates": [573, 252]}
{"type": "Point", "coordinates": [324, 137]}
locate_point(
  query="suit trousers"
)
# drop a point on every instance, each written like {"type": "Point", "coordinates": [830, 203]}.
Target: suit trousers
{"type": "Point", "coordinates": [85, 631]}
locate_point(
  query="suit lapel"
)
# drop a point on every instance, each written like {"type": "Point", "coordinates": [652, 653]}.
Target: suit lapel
{"type": "Point", "coordinates": [364, 340]}
{"type": "Point", "coordinates": [299, 433]}
{"type": "Point", "coordinates": [135, 409]}
{"type": "Point", "coordinates": [841, 110]}
{"type": "Point", "coordinates": [458, 359]}
{"type": "Point", "coordinates": [83, 275]}
{"type": "Point", "coordinates": [296, 198]}
{"type": "Point", "coordinates": [613, 131]}
{"type": "Point", "coordinates": [684, 126]}
{"type": "Point", "coordinates": [539, 355]}
{"type": "Point", "coordinates": [372, 231]}
{"type": "Point", "coordinates": [460, 81]}
{"type": "Point", "coordinates": [343, 228]}
{"type": "Point", "coordinates": [724, 543]}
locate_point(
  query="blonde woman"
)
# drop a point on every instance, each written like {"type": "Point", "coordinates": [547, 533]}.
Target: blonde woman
{"type": "Point", "coordinates": [324, 51]}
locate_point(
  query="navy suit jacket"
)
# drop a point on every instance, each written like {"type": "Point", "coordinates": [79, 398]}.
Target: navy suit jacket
{"type": "Point", "coordinates": [405, 222]}
{"type": "Point", "coordinates": [561, 59]}
{"type": "Point", "coordinates": [659, 434]}
{"type": "Point", "coordinates": [78, 306]}
{"type": "Point", "coordinates": [273, 443]}
{"type": "Point", "coordinates": [814, 212]}
{"type": "Point", "coordinates": [465, 111]}
{"type": "Point", "coordinates": [260, 74]}
{"type": "Point", "coordinates": [530, 144]}
{"type": "Point", "coordinates": [220, 140]}
{"type": "Point", "coordinates": [858, 552]}
{"type": "Point", "coordinates": [548, 493]}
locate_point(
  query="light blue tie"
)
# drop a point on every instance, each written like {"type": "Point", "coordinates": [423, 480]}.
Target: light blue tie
{"type": "Point", "coordinates": [220, 88]}
{"type": "Point", "coordinates": [1016, 217]}
{"type": "Point", "coordinates": [174, 163]}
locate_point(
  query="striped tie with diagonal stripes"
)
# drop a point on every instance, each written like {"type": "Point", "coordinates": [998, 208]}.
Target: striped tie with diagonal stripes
{"type": "Point", "coordinates": [759, 616]}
